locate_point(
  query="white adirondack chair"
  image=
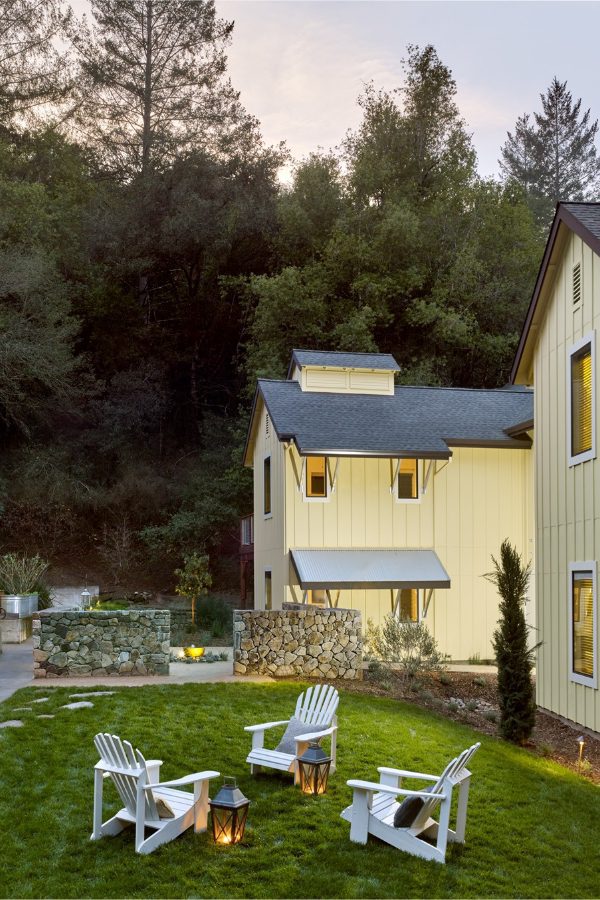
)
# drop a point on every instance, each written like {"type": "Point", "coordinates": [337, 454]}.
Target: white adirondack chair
{"type": "Point", "coordinates": [136, 781]}
{"type": "Point", "coordinates": [374, 806]}
{"type": "Point", "coordinates": [317, 708]}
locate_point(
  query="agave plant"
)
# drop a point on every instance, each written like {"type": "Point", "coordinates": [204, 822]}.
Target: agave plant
{"type": "Point", "coordinates": [21, 574]}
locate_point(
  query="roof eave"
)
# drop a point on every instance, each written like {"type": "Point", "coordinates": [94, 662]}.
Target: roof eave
{"type": "Point", "coordinates": [561, 216]}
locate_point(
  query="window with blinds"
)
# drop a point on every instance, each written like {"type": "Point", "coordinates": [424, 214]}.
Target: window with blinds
{"type": "Point", "coordinates": [408, 480]}
{"type": "Point", "coordinates": [316, 476]}
{"type": "Point", "coordinates": [582, 379]}
{"type": "Point", "coordinates": [267, 486]}
{"type": "Point", "coordinates": [582, 612]}
{"type": "Point", "coordinates": [408, 609]}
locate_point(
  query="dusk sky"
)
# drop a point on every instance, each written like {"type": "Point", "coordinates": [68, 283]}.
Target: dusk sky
{"type": "Point", "coordinates": [301, 65]}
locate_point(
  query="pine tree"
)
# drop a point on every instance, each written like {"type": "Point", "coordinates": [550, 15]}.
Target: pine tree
{"type": "Point", "coordinates": [553, 156]}
{"type": "Point", "coordinates": [153, 81]}
{"type": "Point", "coordinates": [513, 657]}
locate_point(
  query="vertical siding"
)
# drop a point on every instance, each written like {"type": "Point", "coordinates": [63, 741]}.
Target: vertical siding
{"type": "Point", "coordinates": [566, 504]}
{"type": "Point", "coordinates": [470, 506]}
{"type": "Point", "coordinates": [269, 531]}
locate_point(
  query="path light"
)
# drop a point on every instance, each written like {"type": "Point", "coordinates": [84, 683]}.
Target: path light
{"type": "Point", "coordinates": [581, 742]}
{"type": "Point", "coordinates": [313, 770]}
{"type": "Point", "coordinates": [229, 811]}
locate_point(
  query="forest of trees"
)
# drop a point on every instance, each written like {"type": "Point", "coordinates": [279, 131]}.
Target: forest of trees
{"type": "Point", "coordinates": [152, 266]}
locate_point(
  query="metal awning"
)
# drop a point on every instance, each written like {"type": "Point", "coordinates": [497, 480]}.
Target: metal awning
{"type": "Point", "coordinates": [368, 569]}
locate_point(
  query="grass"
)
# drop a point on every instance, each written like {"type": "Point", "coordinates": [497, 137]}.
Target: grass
{"type": "Point", "coordinates": [532, 827]}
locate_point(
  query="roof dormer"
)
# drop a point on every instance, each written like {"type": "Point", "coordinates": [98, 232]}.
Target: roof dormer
{"type": "Point", "coordinates": [335, 372]}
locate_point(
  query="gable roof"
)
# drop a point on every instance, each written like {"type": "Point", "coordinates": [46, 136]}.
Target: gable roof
{"type": "Point", "coordinates": [584, 220]}
{"type": "Point", "coordinates": [415, 421]}
{"type": "Point", "coordinates": [340, 359]}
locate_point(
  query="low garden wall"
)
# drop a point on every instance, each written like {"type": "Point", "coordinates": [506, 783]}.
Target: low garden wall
{"type": "Point", "coordinates": [319, 643]}
{"type": "Point", "coordinates": [101, 642]}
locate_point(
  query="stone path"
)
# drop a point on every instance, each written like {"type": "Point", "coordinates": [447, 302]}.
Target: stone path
{"type": "Point", "coordinates": [16, 671]}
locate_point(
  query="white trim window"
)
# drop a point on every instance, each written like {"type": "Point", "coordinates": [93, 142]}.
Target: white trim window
{"type": "Point", "coordinates": [581, 412]}
{"type": "Point", "coordinates": [316, 479]}
{"type": "Point", "coordinates": [583, 604]}
{"type": "Point", "coordinates": [407, 481]}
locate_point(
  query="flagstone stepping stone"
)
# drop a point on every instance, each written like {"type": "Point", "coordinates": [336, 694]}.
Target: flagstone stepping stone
{"type": "Point", "coordinates": [22, 709]}
{"type": "Point", "coordinates": [11, 723]}
{"type": "Point", "coordinates": [45, 717]}
{"type": "Point", "coordinates": [85, 704]}
{"type": "Point", "coordinates": [92, 694]}
{"type": "Point", "coordinates": [41, 700]}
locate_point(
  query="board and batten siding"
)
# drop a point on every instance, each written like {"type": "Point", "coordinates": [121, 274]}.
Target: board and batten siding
{"type": "Point", "coordinates": [567, 498]}
{"type": "Point", "coordinates": [471, 504]}
{"type": "Point", "coordinates": [268, 530]}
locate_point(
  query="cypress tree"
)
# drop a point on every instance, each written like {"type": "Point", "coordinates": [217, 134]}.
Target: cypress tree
{"type": "Point", "coordinates": [513, 657]}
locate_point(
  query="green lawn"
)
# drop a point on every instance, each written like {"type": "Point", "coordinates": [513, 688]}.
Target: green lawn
{"type": "Point", "coordinates": [532, 829]}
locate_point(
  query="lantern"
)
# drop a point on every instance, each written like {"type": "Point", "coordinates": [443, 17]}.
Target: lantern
{"type": "Point", "coordinates": [313, 770]}
{"type": "Point", "coordinates": [229, 811]}
{"type": "Point", "coordinates": [85, 599]}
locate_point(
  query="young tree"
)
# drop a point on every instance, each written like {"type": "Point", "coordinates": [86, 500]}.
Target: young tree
{"type": "Point", "coordinates": [513, 656]}
{"type": "Point", "coordinates": [153, 80]}
{"type": "Point", "coordinates": [33, 71]}
{"type": "Point", "coordinates": [553, 156]}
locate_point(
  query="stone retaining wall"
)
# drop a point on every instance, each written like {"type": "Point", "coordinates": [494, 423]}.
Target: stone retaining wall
{"type": "Point", "coordinates": [319, 643]}
{"type": "Point", "coordinates": [101, 642]}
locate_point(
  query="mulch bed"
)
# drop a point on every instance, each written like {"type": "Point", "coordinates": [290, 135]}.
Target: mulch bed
{"type": "Point", "coordinates": [551, 737]}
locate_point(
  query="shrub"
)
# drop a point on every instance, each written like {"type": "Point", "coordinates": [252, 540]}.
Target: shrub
{"type": "Point", "coordinates": [45, 598]}
{"type": "Point", "coordinates": [445, 679]}
{"type": "Point", "coordinates": [21, 574]}
{"type": "Point", "coordinates": [479, 680]}
{"type": "Point", "coordinates": [409, 645]}
{"type": "Point", "coordinates": [491, 715]}
{"type": "Point", "coordinates": [472, 705]}
{"type": "Point", "coordinates": [514, 658]}
{"type": "Point", "coordinates": [475, 659]}
{"type": "Point", "coordinates": [214, 615]}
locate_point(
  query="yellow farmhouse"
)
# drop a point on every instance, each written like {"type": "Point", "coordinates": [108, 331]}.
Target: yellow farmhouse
{"type": "Point", "coordinates": [385, 498]}
{"type": "Point", "coordinates": [557, 354]}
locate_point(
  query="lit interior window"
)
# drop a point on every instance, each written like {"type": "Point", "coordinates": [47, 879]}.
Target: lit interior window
{"type": "Point", "coordinates": [268, 591]}
{"type": "Point", "coordinates": [316, 476]}
{"type": "Point", "coordinates": [583, 624]}
{"type": "Point", "coordinates": [408, 480]}
{"type": "Point", "coordinates": [317, 598]}
{"type": "Point", "coordinates": [409, 605]}
{"type": "Point", "coordinates": [581, 401]}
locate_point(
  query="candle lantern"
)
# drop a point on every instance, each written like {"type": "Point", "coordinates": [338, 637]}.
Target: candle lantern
{"type": "Point", "coordinates": [85, 599]}
{"type": "Point", "coordinates": [313, 770]}
{"type": "Point", "coordinates": [229, 811]}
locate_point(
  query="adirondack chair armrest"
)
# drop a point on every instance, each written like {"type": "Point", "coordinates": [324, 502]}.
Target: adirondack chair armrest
{"type": "Point", "coordinates": [404, 773]}
{"type": "Point", "coordinates": [265, 725]}
{"type": "Point", "coordinates": [315, 735]}
{"type": "Point", "coordinates": [375, 787]}
{"type": "Point", "coordinates": [187, 779]}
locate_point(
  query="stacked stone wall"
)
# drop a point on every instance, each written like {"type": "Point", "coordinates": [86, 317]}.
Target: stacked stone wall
{"type": "Point", "coordinates": [318, 643]}
{"type": "Point", "coordinates": [101, 642]}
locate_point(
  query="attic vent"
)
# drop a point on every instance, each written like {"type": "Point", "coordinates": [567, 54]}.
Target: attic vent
{"type": "Point", "coordinates": [267, 425]}
{"type": "Point", "coordinates": [576, 284]}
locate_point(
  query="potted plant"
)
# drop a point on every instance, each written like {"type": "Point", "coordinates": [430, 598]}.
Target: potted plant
{"type": "Point", "coordinates": [20, 578]}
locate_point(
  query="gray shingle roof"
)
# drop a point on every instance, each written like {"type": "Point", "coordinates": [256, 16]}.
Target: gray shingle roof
{"type": "Point", "coordinates": [346, 360]}
{"type": "Point", "coordinates": [586, 213]}
{"type": "Point", "coordinates": [416, 421]}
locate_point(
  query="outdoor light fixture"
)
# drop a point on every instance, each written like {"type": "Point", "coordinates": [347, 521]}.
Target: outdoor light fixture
{"type": "Point", "coordinates": [229, 811]}
{"type": "Point", "coordinates": [193, 652]}
{"type": "Point", "coordinates": [581, 742]}
{"type": "Point", "coordinates": [85, 599]}
{"type": "Point", "coordinates": [313, 770]}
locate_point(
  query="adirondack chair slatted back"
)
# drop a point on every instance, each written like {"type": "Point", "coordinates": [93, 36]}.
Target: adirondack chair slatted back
{"type": "Point", "coordinates": [452, 770]}
{"type": "Point", "coordinates": [121, 755]}
{"type": "Point", "coordinates": [318, 706]}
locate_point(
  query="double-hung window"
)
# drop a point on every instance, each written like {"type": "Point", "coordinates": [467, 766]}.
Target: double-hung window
{"type": "Point", "coordinates": [408, 479]}
{"type": "Point", "coordinates": [582, 623]}
{"type": "Point", "coordinates": [581, 400]}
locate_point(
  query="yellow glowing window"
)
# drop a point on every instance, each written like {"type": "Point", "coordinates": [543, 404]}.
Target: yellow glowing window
{"type": "Point", "coordinates": [408, 480]}
{"type": "Point", "coordinates": [268, 591]}
{"type": "Point", "coordinates": [317, 598]}
{"type": "Point", "coordinates": [316, 476]}
{"type": "Point", "coordinates": [267, 486]}
{"type": "Point", "coordinates": [409, 605]}
{"type": "Point", "coordinates": [583, 624]}
{"type": "Point", "coordinates": [581, 401]}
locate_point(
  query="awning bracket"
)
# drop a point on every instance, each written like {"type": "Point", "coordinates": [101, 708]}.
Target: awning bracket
{"type": "Point", "coordinates": [427, 476]}
{"type": "Point", "coordinates": [332, 475]}
{"type": "Point", "coordinates": [394, 470]}
{"type": "Point", "coordinates": [427, 601]}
